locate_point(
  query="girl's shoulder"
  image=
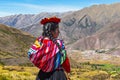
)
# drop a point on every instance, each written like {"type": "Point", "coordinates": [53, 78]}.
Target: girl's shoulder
{"type": "Point", "coordinates": [45, 40]}
{"type": "Point", "coordinates": [41, 38]}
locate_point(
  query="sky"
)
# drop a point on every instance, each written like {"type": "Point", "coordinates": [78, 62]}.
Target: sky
{"type": "Point", "coordinates": [13, 7]}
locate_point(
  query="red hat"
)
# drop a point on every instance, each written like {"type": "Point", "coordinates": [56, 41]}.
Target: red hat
{"type": "Point", "coordinates": [52, 19]}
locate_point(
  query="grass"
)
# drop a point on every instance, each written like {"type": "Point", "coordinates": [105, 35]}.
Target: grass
{"type": "Point", "coordinates": [17, 73]}
{"type": "Point", "coordinates": [86, 72]}
{"type": "Point", "coordinates": [5, 31]}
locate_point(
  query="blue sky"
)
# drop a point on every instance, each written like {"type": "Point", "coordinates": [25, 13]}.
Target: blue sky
{"type": "Point", "coordinates": [11, 7]}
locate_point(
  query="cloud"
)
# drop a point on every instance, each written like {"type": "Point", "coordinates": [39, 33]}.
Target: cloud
{"type": "Point", "coordinates": [22, 8]}
{"type": "Point", "coordinates": [5, 14]}
{"type": "Point", "coordinates": [47, 8]}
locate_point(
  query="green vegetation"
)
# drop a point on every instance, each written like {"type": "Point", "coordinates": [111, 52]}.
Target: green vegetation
{"type": "Point", "coordinates": [87, 71]}
{"type": "Point", "coordinates": [4, 31]}
{"type": "Point", "coordinates": [17, 73]}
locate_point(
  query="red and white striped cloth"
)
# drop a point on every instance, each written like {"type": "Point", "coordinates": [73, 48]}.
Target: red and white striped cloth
{"type": "Point", "coordinates": [43, 55]}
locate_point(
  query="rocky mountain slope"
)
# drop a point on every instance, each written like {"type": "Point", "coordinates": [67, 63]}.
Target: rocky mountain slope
{"type": "Point", "coordinates": [107, 37]}
{"type": "Point", "coordinates": [98, 16]}
{"type": "Point", "coordinates": [22, 21]}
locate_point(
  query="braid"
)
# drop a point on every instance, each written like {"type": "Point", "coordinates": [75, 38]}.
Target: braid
{"type": "Point", "coordinates": [47, 28]}
{"type": "Point", "coordinates": [55, 41]}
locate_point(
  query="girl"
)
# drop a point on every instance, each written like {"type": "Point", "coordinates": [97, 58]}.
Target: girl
{"type": "Point", "coordinates": [48, 53]}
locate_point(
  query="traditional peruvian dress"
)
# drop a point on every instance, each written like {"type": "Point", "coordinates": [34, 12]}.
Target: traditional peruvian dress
{"type": "Point", "coordinates": [52, 62]}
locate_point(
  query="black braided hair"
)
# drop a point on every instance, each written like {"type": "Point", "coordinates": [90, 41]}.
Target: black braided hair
{"type": "Point", "coordinates": [47, 28]}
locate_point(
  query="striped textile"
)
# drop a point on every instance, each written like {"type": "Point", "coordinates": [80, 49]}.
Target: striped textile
{"type": "Point", "coordinates": [46, 55]}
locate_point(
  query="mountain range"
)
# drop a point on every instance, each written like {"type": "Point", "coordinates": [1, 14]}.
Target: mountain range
{"type": "Point", "coordinates": [79, 34]}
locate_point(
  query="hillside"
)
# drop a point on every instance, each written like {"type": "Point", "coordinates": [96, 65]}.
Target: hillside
{"type": "Point", "coordinates": [14, 45]}
{"type": "Point", "coordinates": [105, 38]}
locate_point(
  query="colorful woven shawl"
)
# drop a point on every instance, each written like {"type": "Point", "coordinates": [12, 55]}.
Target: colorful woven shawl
{"type": "Point", "coordinates": [45, 54]}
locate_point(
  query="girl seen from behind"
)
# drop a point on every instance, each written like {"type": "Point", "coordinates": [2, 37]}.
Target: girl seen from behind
{"type": "Point", "coordinates": [48, 52]}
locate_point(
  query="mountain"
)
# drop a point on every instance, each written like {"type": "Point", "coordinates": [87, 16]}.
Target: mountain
{"type": "Point", "coordinates": [22, 21]}
{"type": "Point", "coordinates": [73, 29]}
{"type": "Point", "coordinates": [14, 45]}
{"type": "Point", "coordinates": [107, 37]}
{"type": "Point", "coordinates": [97, 16]}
